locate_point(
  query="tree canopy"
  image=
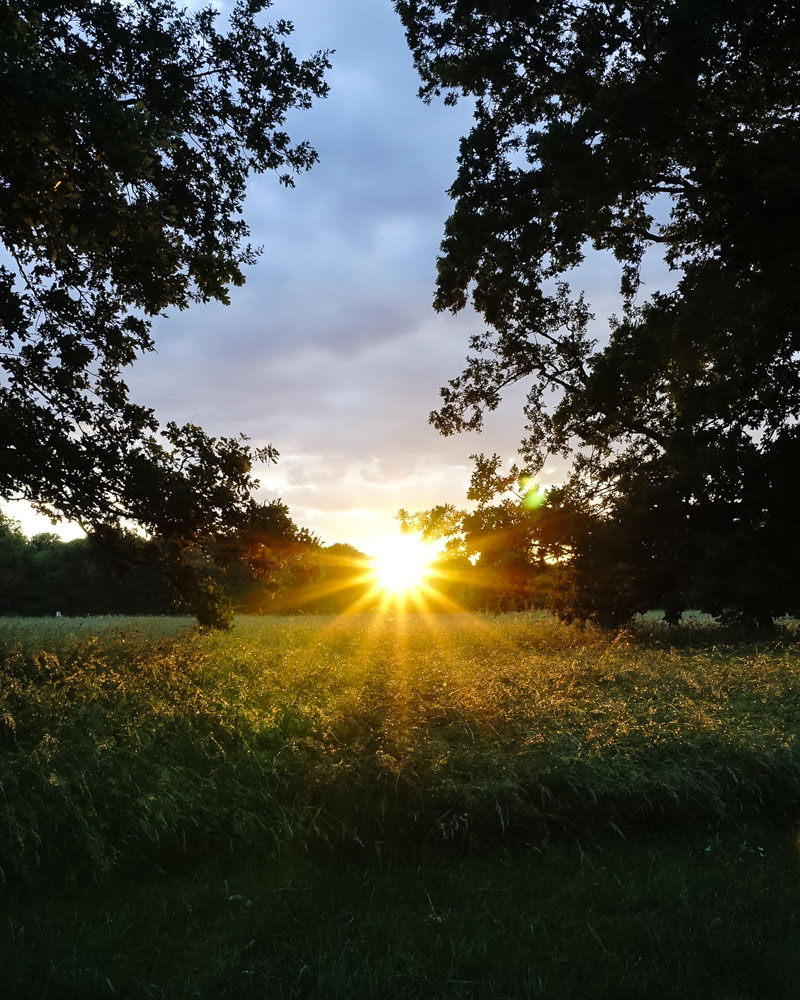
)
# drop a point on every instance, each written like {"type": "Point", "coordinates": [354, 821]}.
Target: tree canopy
{"type": "Point", "coordinates": [494, 556]}
{"type": "Point", "coordinates": [621, 127]}
{"type": "Point", "coordinates": [129, 131]}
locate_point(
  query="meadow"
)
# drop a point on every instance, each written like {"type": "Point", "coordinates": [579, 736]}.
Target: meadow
{"type": "Point", "coordinates": [397, 805]}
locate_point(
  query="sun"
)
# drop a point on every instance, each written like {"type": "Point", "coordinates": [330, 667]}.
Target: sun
{"type": "Point", "coordinates": [401, 563]}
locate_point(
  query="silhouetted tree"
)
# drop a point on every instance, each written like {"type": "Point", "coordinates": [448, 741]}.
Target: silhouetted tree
{"type": "Point", "coordinates": [494, 559]}
{"type": "Point", "coordinates": [266, 559]}
{"type": "Point", "coordinates": [341, 581]}
{"type": "Point", "coordinates": [129, 131]}
{"type": "Point", "coordinates": [43, 575]}
{"type": "Point", "coordinates": [13, 564]}
{"type": "Point", "coordinates": [625, 126]}
{"type": "Point", "coordinates": [120, 572]}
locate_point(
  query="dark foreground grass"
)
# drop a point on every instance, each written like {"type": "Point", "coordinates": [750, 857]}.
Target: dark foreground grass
{"type": "Point", "coordinates": [712, 916]}
{"type": "Point", "coordinates": [389, 806]}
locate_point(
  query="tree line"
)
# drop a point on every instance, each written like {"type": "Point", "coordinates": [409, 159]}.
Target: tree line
{"type": "Point", "coordinates": [44, 575]}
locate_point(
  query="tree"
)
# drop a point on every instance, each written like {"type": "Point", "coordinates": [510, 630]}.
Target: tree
{"type": "Point", "coordinates": [341, 582]}
{"type": "Point", "coordinates": [621, 127]}
{"type": "Point", "coordinates": [43, 574]}
{"type": "Point", "coordinates": [267, 558]}
{"type": "Point", "coordinates": [117, 571]}
{"type": "Point", "coordinates": [496, 557]}
{"type": "Point", "coordinates": [129, 131]}
{"type": "Point", "coordinates": [13, 559]}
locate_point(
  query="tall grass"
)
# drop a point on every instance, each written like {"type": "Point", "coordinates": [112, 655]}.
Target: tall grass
{"type": "Point", "coordinates": [130, 741]}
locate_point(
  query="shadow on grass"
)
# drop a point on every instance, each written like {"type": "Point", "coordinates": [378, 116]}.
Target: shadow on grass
{"type": "Point", "coordinates": [707, 915]}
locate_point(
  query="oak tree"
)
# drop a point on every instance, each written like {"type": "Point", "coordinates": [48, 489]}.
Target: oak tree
{"type": "Point", "coordinates": [628, 126]}
{"type": "Point", "coordinates": [128, 132]}
{"type": "Point", "coordinates": [495, 556]}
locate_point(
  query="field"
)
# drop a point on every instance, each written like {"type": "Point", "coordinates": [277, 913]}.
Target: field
{"type": "Point", "coordinates": [397, 806]}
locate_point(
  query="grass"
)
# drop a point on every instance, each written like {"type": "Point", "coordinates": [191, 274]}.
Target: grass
{"type": "Point", "coordinates": [397, 806]}
{"type": "Point", "coordinates": [665, 917]}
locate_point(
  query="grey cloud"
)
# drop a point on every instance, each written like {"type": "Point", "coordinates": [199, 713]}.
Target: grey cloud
{"type": "Point", "coordinates": [332, 351]}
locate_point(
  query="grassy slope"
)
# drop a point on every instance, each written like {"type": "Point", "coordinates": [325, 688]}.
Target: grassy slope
{"type": "Point", "coordinates": [397, 807]}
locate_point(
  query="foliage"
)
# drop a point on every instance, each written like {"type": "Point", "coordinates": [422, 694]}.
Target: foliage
{"type": "Point", "coordinates": [622, 127]}
{"type": "Point", "coordinates": [247, 568]}
{"type": "Point", "coordinates": [340, 581]}
{"type": "Point", "coordinates": [120, 572]}
{"type": "Point", "coordinates": [129, 133]}
{"type": "Point", "coordinates": [42, 575]}
{"type": "Point", "coordinates": [494, 557]}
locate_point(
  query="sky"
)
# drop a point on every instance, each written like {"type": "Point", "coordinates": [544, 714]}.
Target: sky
{"type": "Point", "coordinates": [332, 351]}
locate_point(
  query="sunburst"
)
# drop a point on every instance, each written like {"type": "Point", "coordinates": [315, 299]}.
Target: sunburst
{"type": "Point", "coordinates": [401, 564]}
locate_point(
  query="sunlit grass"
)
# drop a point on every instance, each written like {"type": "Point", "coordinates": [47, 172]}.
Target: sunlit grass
{"type": "Point", "coordinates": [135, 739]}
{"type": "Point", "coordinates": [387, 800]}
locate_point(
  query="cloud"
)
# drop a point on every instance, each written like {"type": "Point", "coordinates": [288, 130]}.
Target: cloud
{"type": "Point", "coordinates": [332, 351]}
